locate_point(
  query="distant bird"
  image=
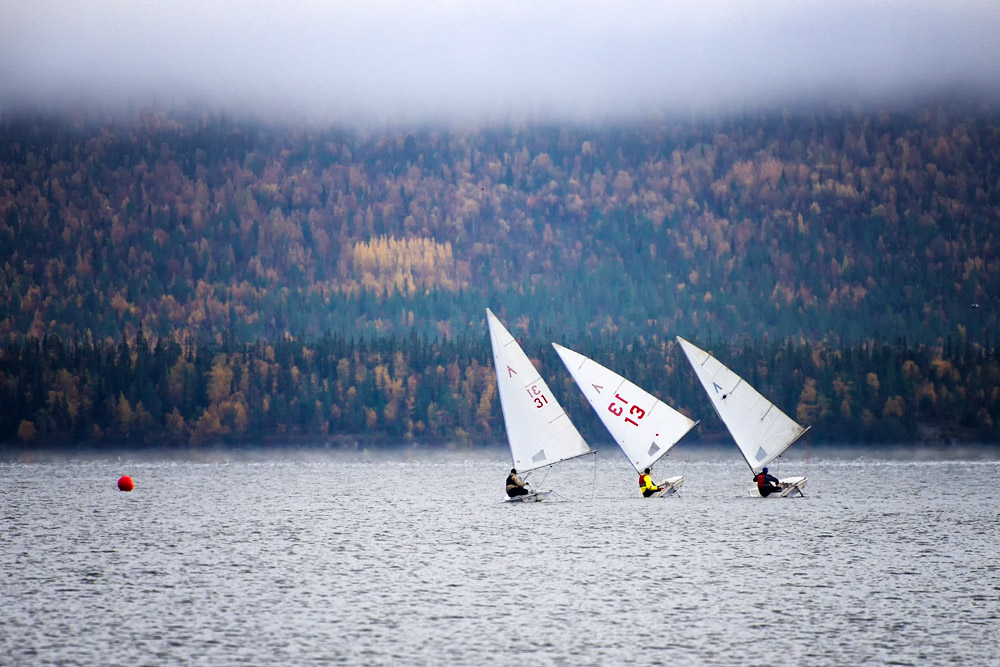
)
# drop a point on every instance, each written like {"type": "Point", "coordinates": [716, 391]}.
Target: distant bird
{"type": "Point", "coordinates": [975, 305]}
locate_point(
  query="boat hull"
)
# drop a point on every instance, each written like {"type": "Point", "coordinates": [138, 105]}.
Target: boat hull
{"type": "Point", "coordinates": [668, 487]}
{"type": "Point", "coordinates": [790, 487]}
{"type": "Point", "coordinates": [533, 497]}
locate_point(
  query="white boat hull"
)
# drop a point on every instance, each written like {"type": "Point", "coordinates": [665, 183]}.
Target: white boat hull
{"type": "Point", "coordinates": [790, 487]}
{"type": "Point", "coordinates": [668, 487]}
{"type": "Point", "coordinates": [533, 497]}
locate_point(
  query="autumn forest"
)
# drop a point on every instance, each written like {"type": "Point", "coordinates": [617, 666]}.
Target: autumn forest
{"type": "Point", "coordinates": [179, 278]}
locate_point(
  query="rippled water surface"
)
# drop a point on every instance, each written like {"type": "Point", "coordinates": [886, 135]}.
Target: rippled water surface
{"type": "Point", "coordinates": [317, 558]}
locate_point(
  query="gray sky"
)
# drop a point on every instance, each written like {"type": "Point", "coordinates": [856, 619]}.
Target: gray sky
{"type": "Point", "coordinates": [399, 60]}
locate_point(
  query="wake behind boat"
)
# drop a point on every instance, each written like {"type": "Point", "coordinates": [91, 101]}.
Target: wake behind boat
{"type": "Point", "coordinates": [644, 427]}
{"type": "Point", "coordinates": [539, 432]}
{"type": "Point", "coordinates": [761, 431]}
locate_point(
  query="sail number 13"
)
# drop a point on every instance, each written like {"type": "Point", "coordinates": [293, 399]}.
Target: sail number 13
{"type": "Point", "coordinates": [537, 396]}
{"type": "Point", "coordinates": [634, 411]}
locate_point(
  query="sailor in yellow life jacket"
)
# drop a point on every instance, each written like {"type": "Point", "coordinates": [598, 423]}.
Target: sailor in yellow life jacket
{"type": "Point", "coordinates": [646, 484]}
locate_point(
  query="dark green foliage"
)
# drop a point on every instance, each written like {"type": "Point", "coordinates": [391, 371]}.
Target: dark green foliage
{"type": "Point", "coordinates": [337, 389]}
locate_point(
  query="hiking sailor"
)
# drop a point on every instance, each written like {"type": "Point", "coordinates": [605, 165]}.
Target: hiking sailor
{"type": "Point", "coordinates": [766, 484]}
{"type": "Point", "coordinates": [646, 485]}
{"type": "Point", "coordinates": [515, 487]}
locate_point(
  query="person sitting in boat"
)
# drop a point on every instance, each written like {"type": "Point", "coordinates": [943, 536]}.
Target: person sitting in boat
{"type": "Point", "coordinates": [646, 484]}
{"type": "Point", "coordinates": [515, 487]}
{"type": "Point", "coordinates": [766, 484]}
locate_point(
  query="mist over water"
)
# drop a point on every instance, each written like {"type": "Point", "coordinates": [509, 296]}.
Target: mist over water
{"type": "Point", "coordinates": [413, 558]}
{"type": "Point", "coordinates": [448, 60]}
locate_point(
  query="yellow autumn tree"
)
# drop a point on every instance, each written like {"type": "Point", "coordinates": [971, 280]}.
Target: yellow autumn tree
{"type": "Point", "coordinates": [179, 376]}
{"type": "Point", "coordinates": [176, 427]}
{"type": "Point", "coordinates": [894, 407]}
{"type": "Point", "coordinates": [485, 406]}
{"type": "Point", "coordinates": [208, 427]}
{"type": "Point", "coordinates": [808, 408]}
{"type": "Point", "coordinates": [26, 431]}
{"type": "Point", "coordinates": [123, 414]}
{"type": "Point", "coordinates": [404, 264]}
{"type": "Point", "coordinates": [220, 380]}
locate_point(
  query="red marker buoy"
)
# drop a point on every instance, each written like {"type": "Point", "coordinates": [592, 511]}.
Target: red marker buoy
{"type": "Point", "coordinates": [125, 483]}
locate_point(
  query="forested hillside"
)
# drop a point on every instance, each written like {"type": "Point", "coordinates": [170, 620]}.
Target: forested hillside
{"type": "Point", "coordinates": [168, 277]}
{"type": "Point", "coordinates": [836, 224]}
{"type": "Point", "coordinates": [389, 390]}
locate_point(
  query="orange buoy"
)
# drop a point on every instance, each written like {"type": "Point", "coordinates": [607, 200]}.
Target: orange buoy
{"type": "Point", "coordinates": [125, 483]}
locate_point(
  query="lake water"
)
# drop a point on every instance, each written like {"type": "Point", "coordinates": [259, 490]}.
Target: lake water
{"type": "Point", "coordinates": [323, 557]}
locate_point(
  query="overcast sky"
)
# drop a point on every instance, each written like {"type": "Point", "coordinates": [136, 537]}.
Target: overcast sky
{"type": "Point", "coordinates": [415, 59]}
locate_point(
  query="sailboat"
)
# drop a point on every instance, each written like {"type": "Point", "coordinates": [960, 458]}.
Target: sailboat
{"type": "Point", "coordinates": [643, 426]}
{"type": "Point", "coordinates": [761, 431]}
{"type": "Point", "coordinates": [539, 432]}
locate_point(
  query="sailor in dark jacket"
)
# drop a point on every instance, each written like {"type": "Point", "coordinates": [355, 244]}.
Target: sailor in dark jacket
{"type": "Point", "coordinates": [515, 487]}
{"type": "Point", "coordinates": [766, 484]}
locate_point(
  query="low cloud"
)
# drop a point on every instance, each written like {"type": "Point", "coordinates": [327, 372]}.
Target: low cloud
{"type": "Point", "coordinates": [385, 60]}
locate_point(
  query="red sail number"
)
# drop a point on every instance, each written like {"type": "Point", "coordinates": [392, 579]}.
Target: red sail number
{"type": "Point", "coordinates": [635, 411]}
{"type": "Point", "coordinates": [537, 396]}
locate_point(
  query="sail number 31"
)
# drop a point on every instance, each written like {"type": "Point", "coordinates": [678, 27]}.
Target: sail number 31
{"type": "Point", "coordinates": [537, 396]}
{"type": "Point", "coordinates": [635, 411]}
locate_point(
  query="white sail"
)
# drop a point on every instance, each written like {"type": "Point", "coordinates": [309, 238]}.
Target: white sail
{"type": "Point", "coordinates": [538, 430]}
{"type": "Point", "coordinates": [760, 429]}
{"type": "Point", "coordinates": [643, 426]}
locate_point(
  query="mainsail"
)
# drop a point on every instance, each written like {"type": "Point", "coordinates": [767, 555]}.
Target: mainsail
{"type": "Point", "coordinates": [760, 429]}
{"type": "Point", "coordinates": [538, 430]}
{"type": "Point", "coordinates": [643, 426]}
